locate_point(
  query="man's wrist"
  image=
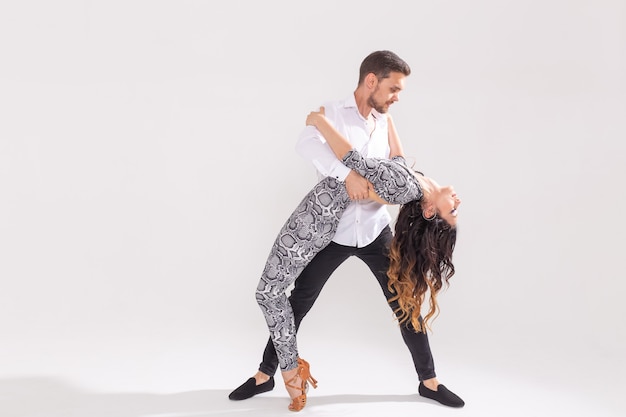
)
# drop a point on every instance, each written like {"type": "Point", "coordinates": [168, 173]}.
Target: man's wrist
{"type": "Point", "coordinates": [340, 171]}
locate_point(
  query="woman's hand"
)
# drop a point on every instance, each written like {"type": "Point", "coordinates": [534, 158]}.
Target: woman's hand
{"type": "Point", "coordinates": [315, 117]}
{"type": "Point", "coordinates": [334, 139]}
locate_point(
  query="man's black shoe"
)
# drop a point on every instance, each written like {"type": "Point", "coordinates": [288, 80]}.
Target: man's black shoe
{"type": "Point", "coordinates": [250, 389]}
{"type": "Point", "coordinates": [442, 395]}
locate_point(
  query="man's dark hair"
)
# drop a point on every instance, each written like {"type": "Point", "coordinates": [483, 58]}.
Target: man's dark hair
{"type": "Point", "coordinates": [381, 63]}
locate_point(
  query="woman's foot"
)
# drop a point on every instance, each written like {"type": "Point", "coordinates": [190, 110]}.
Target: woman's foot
{"type": "Point", "coordinates": [296, 382]}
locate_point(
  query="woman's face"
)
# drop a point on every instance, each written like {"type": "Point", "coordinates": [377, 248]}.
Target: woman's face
{"type": "Point", "coordinates": [447, 204]}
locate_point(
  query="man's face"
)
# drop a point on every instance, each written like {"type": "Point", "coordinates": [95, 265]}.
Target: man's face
{"type": "Point", "coordinates": [386, 92]}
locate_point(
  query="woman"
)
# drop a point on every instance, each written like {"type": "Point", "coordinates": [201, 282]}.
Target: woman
{"type": "Point", "coordinates": [420, 255]}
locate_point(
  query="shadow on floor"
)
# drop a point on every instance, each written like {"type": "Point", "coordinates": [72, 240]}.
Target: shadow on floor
{"type": "Point", "coordinates": [49, 397]}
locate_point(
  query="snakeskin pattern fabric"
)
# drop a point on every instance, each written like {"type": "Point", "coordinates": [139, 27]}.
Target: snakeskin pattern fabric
{"type": "Point", "coordinates": [393, 181]}
{"type": "Point", "coordinates": [309, 229]}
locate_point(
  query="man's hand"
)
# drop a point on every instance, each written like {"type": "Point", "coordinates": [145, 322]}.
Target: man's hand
{"type": "Point", "coordinates": [357, 186]}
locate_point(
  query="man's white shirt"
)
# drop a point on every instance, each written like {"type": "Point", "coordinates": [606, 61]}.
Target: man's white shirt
{"type": "Point", "coordinates": [362, 221]}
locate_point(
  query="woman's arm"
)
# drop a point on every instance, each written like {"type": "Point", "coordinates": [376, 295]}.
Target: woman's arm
{"type": "Point", "coordinates": [340, 145]}
{"type": "Point", "coordinates": [395, 146]}
{"type": "Point", "coordinates": [375, 197]}
{"type": "Point", "coordinates": [393, 182]}
{"type": "Point", "coordinates": [335, 140]}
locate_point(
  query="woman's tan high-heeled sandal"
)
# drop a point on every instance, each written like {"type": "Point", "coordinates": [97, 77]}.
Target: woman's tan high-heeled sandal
{"type": "Point", "coordinates": [304, 373]}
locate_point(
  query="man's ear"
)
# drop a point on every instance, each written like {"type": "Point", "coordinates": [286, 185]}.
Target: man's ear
{"type": "Point", "coordinates": [371, 80]}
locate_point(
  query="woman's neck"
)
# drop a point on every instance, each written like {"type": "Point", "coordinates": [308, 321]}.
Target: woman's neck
{"type": "Point", "coordinates": [429, 187]}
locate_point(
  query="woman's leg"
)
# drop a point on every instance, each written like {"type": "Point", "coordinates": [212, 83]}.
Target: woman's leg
{"type": "Point", "coordinates": [308, 230]}
{"type": "Point", "coordinates": [306, 290]}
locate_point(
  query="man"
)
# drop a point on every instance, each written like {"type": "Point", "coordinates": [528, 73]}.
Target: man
{"type": "Point", "coordinates": [363, 230]}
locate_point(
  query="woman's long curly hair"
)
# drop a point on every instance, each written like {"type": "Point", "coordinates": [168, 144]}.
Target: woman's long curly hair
{"type": "Point", "coordinates": [420, 262]}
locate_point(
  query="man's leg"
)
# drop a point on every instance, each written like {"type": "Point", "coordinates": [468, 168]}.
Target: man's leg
{"type": "Point", "coordinates": [307, 288]}
{"type": "Point", "coordinates": [375, 255]}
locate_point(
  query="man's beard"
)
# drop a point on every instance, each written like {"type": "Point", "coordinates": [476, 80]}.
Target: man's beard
{"type": "Point", "coordinates": [380, 108]}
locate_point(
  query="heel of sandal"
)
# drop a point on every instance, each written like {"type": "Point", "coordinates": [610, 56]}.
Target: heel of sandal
{"type": "Point", "coordinates": [304, 373]}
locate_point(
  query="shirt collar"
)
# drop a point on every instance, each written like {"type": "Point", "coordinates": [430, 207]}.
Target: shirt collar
{"type": "Point", "coordinates": [350, 102]}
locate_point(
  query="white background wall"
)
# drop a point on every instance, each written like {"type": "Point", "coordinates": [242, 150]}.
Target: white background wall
{"type": "Point", "coordinates": [147, 161]}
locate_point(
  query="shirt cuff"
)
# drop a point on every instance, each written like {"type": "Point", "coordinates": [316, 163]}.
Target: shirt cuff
{"type": "Point", "coordinates": [338, 171]}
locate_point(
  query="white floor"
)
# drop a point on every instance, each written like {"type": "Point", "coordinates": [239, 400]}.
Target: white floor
{"type": "Point", "coordinates": [33, 397]}
{"type": "Point", "coordinates": [42, 397]}
{"type": "Point", "coordinates": [187, 384]}
{"type": "Point", "coordinates": [179, 369]}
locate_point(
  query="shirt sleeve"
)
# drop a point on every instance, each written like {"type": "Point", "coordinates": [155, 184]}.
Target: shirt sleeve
{"type": "Point", "coordinates": [393, 181]}
{"type": "Point", "coordinates": [312, 146]}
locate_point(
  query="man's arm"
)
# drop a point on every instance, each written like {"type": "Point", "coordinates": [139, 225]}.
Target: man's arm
{"type": "Point", "coordinates": [395, 145]}
{"type": "Point", "coordinates": [337, 142]}
{"type": "Point", "coordinates": [312, 146]}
